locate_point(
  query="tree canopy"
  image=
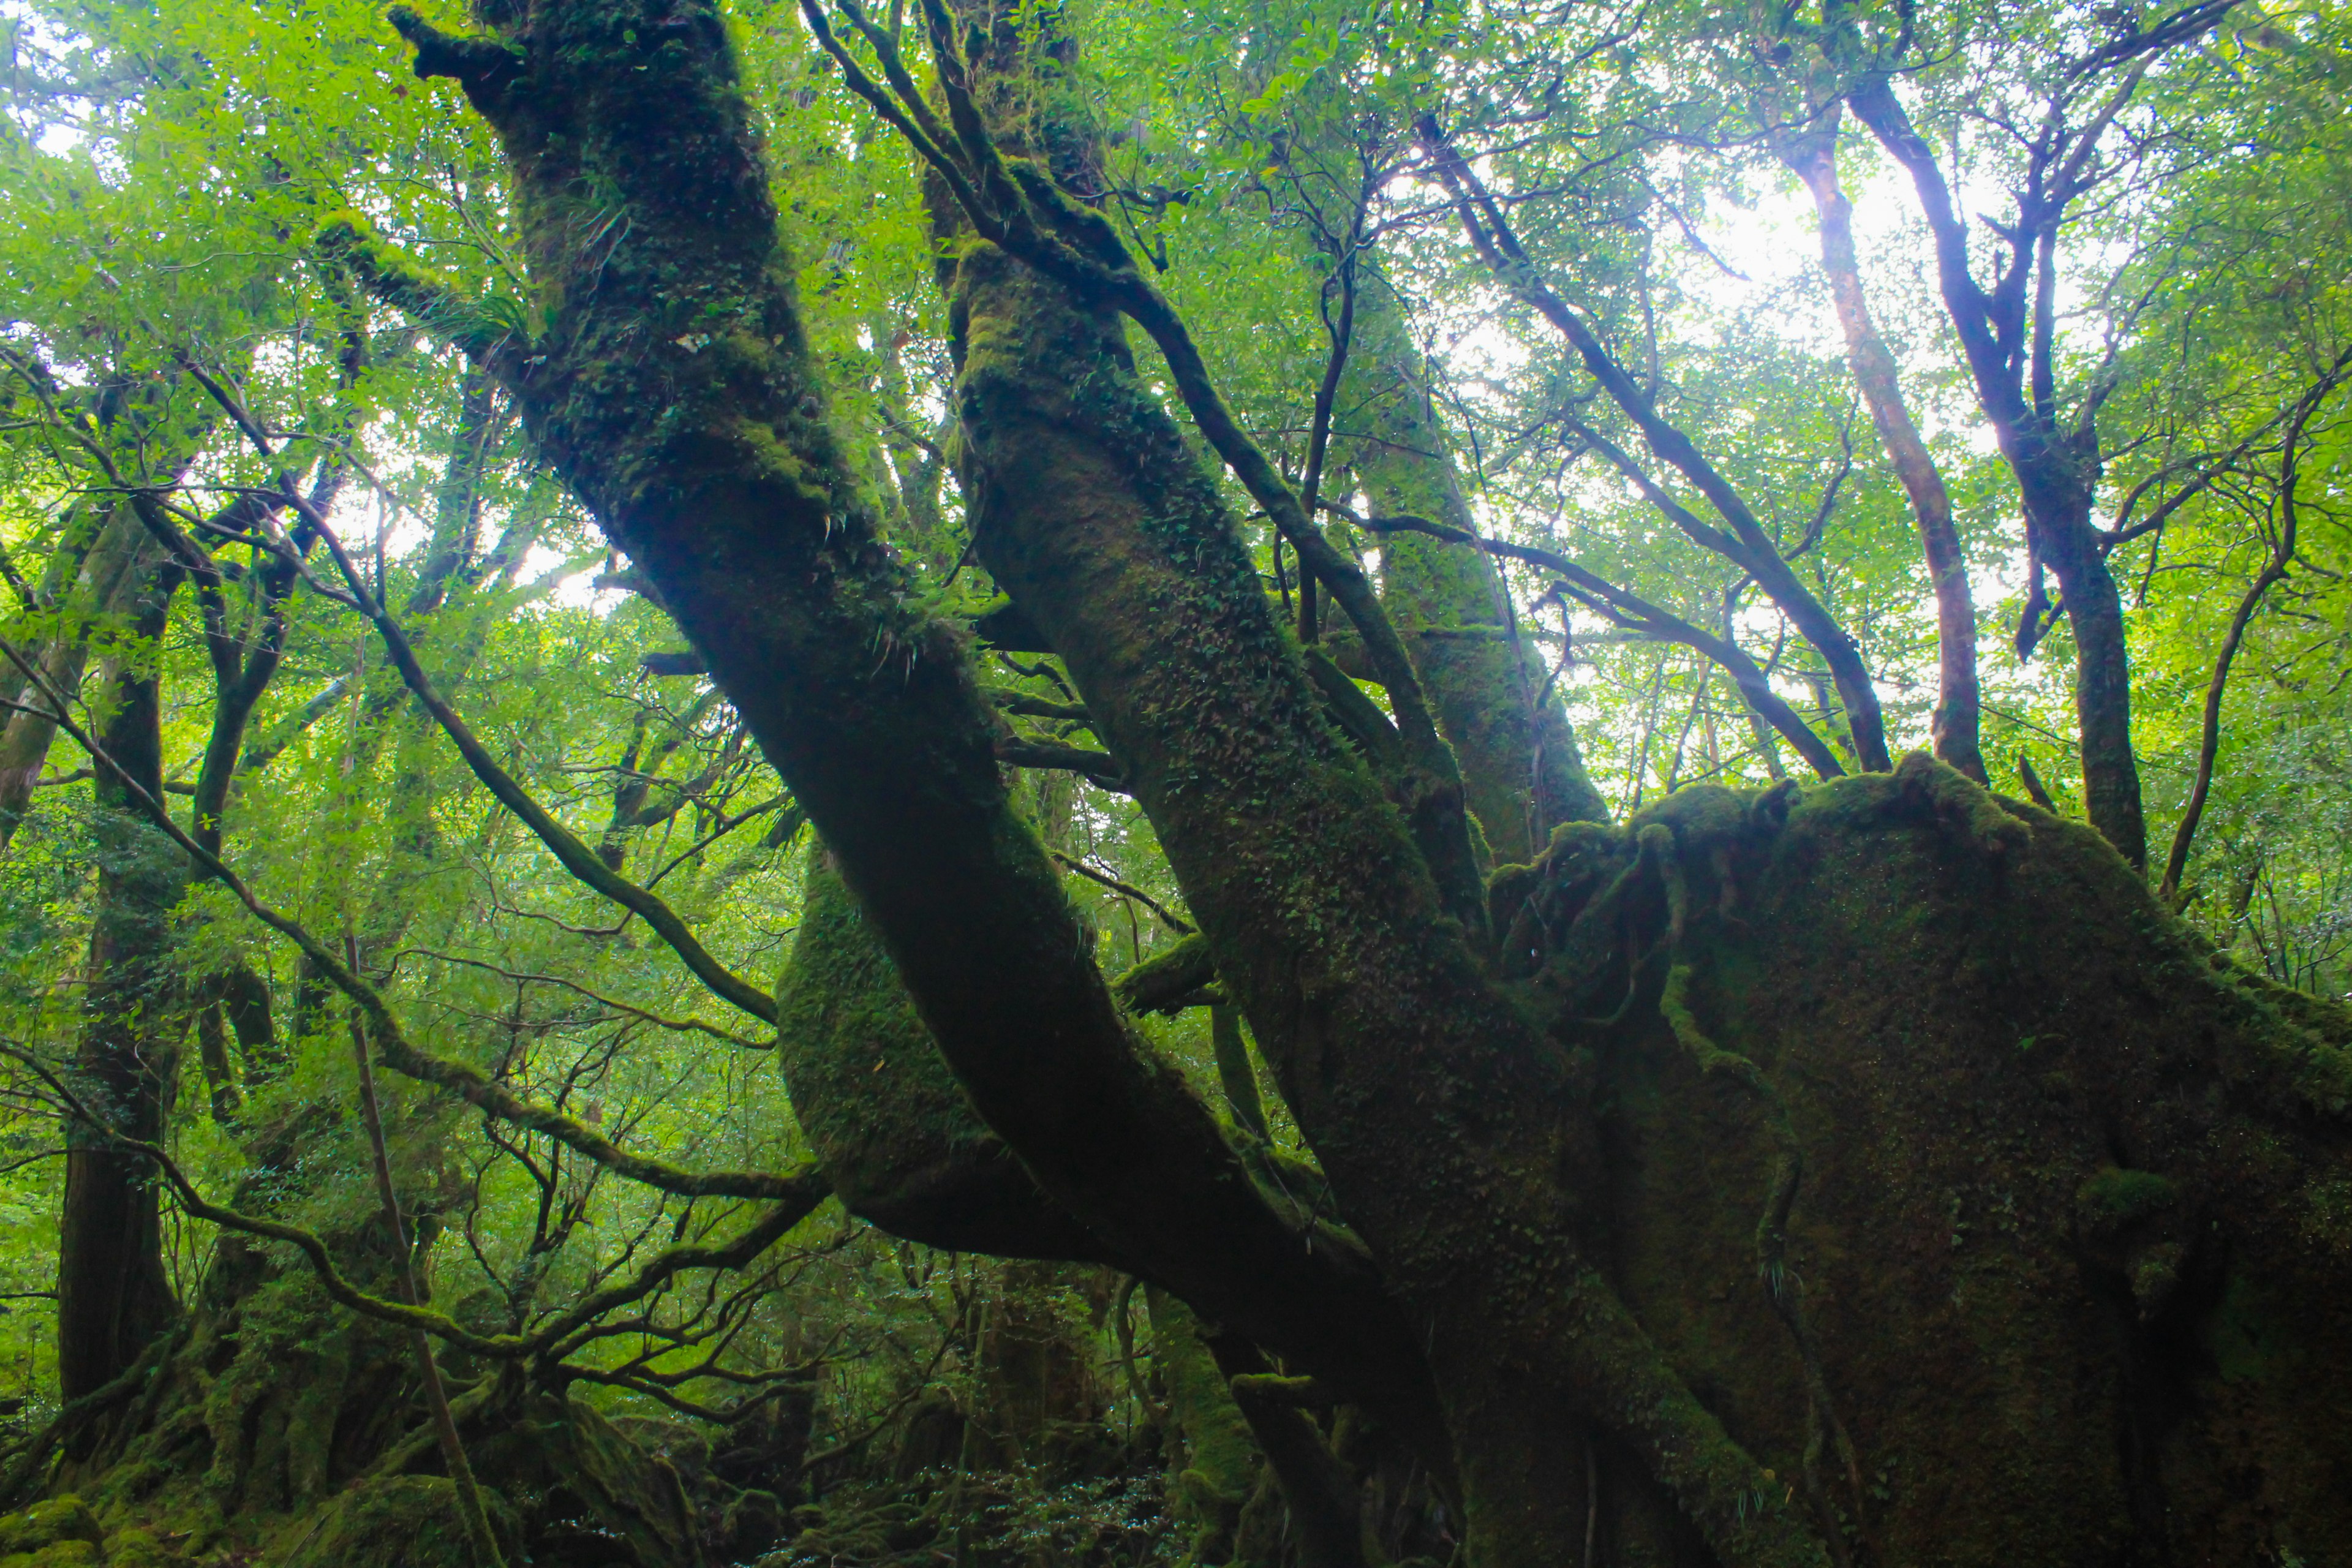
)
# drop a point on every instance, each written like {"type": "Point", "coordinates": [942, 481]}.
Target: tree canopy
{"type": "Point", "coordinates": [1317, 784]}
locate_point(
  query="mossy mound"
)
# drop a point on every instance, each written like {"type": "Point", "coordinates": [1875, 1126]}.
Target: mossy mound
{"type": "Point", "coordinates": [64, 1533]}
{"type": "Point", "coordinates": [393, 1521]}
{"type": "Point", "coordinates": [59, 1533]}
{"type": "Point", "coordinates": [1983, 1203]}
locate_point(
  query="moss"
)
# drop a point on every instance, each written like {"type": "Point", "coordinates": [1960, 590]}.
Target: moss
{"type": "Point", "coordinates": [1493, 696]}
{"type": "Point", "coordinates": [879, 1105]}
{"type": "Point", "coordinates": [2114, 1198]}
{"type": "Point", "coordinates": [1219, 1466]}
{"type": "Point", "coordinates": [140, 1548]}
{"type": "Point", "coordinates": [45, 1524]}
{"type": "Point", "coordinates": [59, 1554]}
{"type": "Point", "coordinates": [393, 1521]}
{"type": "Point", "coordinates": [1983, 1032]}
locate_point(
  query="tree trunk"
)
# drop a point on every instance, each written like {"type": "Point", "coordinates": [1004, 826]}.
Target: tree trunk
{"type": "Point", "coordinates": [738, 504]}
{"type": "Point", "coordinates": [1813, 158]}
{"type": "Point", "coordinates": [1521, 772]}
{"type": "Point", "coordinates": [1455, 1142]}
{"type": "Point", "coordinates": [92, 588]}
{"type": "Point", "coordinates": [113, 1296]}
{"type": "Point", "coordinates": [1991, 1208]}
{"type": "Point", "coordinates": [2057, 476]}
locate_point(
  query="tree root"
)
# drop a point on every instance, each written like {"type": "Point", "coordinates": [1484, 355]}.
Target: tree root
{"type": "Point", "coordinates": [1782, 1289]}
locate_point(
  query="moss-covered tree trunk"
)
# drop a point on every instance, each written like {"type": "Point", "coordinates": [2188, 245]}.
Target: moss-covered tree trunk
{"type": "Point", "coordinates": [674, 390]}
{"type": "Point", "coordinates": [113, 1295]}
{"type": "Point", "coordinates": [1452, 1136]}
{"type": "Point", "coordinates": [1668, 1145]}
{"type": "Point", "coordinates": [1497, 704]}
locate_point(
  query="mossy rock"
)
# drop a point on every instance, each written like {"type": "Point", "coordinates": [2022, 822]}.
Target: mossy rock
{"type": "Point", "coordinates": [139, 1548]}
{"type": "Point", "coordinates": [393, 1521]}
{"type": "Point", "coordinates": [57, 1554]}
{"type": "Point", "coordinates": [65, 1521]}
{"type": "Point", "coordinates": [594, 1494]}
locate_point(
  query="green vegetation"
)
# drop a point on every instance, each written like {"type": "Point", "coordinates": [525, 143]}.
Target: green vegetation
{"type": "Point", "coordinates": [1295, 786]}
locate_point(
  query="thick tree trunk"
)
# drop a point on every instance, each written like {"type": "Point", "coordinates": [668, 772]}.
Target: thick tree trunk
{"type": "Point", "coordinates": [1521, 772]}
{"type": "Point", "coordinates": [113, 1296]}
{"type": "Point", "coordinates": [1455, 1142]}
{"type": "Point", "coordinates": [675, 393]}
{"type": "Point", "coordinates": [900, 1140]}
{"type": "Point", "coordinates": [1994, 1210]}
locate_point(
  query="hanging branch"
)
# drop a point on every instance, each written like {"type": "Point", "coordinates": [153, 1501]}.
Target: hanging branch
{"type": "Point", "coordinates": [1167, 918]}
{"type": "Point", "coordinates": [801, 1194]}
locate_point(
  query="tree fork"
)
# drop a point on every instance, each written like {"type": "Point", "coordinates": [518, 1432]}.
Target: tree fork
{"type": "Point", "coordinates": [740, 507]}
{"type": "Point", "coordinates": [1091, 511]}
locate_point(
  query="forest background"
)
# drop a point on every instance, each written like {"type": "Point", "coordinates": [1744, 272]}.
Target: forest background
{"type": "Point", "coordinates": [1385, 228]}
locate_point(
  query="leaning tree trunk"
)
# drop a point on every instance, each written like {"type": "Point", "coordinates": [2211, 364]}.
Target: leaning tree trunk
{"type": "Point", "coordinates": [113, 1295]}
{"type": "Point", "coordinates": [676, 393]}
{"type": "Point", "coordinates": [1521, 774]}
{"type": "Point", "coordinates": [1452, 1138]}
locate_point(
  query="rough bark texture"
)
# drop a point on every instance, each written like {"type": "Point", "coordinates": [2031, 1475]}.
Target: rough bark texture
{"type": "Point", "coordinates": [1449, 1131]}
{"type": "Point", "coordinates": [2069, 1214]}
{"type": "Point", "coordinates": [675, 392]}
{"type": "Point", "coordinates": [1521, 772]}
{"type": "Point", "coordinates": [1798, 1043]}
{"type": "Point", "coordinates": [112, 1294]}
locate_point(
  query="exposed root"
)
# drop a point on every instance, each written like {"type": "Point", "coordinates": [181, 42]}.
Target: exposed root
{"type": "Point", "coordinates": [1782, 1288]}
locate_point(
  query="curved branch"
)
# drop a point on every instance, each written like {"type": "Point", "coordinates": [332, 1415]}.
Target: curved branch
{"type": "Point", "coordinates": [391, 1042]}
{"type": "Point", "coordinates": [575, 856]}
{"type": "Point", "coordinates": [1635, 614]}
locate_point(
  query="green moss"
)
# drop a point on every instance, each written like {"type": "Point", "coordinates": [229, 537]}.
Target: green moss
{"type": "Point", "coordinates": [47, 1524]}
{"type": "Point", "coordinates": [879, 1104]}
{"type": "Point", "coordinates": [139, 1548]}
{"type": "Point", "coordinates": [1219, 1466]}
{"type": "Point", "coordinates": [60, 1555]}
{"type": "Point", "coordinates": [393, 1521]}
{"type": "Point", "coordinates": [2114, 1198]}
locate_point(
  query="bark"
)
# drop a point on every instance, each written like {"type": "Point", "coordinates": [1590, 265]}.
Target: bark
{"type": "Point", "coordinates": [1812, 156]}
{"type": "Point", "coordinates": [113, 1296]}
{"type": "Point", "coordinates": [1324, 1496]}
{"type": "Point", "coordinates": [2056, 468]}
{"type": "Point", "coordinates": [1521, 772]}
{"type": "Point", "coordinates": [897, 1135]}
{"type": "Point", "coordinates": [93, 586]}
{"type": "Point", "coordinates": [738, 503]}
{"type": "Point", "coordinates": [1453, 1141]}
{"type": "Point", "coordinates": [1889, 1121]}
